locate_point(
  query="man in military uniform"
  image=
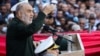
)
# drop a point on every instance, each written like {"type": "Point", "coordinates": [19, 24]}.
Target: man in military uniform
{"type": "Point", "coordinates": [19, 41]}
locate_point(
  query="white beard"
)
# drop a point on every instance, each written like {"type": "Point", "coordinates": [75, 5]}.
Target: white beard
{"type": "Point", "coordinates": [26, 19]}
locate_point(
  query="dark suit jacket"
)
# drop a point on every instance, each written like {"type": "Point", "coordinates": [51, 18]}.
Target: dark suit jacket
{"type": "Point", "coordinates": [18, 38]}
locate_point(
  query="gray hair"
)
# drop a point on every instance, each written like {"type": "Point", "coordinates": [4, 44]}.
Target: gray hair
{"type": "Point", "coordinates": [20, 6]}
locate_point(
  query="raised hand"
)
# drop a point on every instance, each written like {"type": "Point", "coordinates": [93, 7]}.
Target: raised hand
{"type": "Point", "coordinates": [49, 8]}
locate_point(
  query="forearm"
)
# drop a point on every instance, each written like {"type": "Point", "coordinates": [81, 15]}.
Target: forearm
{"type": "Point", "coordinates": [38, 22]}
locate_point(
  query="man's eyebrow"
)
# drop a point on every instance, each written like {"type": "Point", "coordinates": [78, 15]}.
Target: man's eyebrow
{"type": "Point", "coordinates": [29, 10]}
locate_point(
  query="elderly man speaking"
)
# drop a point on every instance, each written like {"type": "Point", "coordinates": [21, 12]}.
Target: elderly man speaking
{"type": "Point", "coordinates": [19, 41]}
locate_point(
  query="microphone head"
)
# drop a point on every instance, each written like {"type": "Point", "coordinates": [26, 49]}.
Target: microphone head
{"type": "Point", "coordinates": [48, 28]}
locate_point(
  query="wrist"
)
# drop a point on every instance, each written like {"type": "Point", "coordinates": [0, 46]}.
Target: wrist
{"type": "Point", "coordinates": [45, 12]}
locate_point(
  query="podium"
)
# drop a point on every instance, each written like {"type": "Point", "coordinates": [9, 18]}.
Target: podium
{"type": "Point", "coordinates": [74, 49]}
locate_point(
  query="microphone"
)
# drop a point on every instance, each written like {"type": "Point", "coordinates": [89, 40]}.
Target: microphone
{"type": "Point", "coordinates": [50, 29]}
{"type": "Point", "coordinates": [53, 31]}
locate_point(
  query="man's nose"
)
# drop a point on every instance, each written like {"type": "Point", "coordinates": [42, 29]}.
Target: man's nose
{"type": "Point", "coordinates": [32, 14]}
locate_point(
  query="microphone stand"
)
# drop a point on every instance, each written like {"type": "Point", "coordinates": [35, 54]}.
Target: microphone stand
{"type": "Point", "coordinates": [59, 40]}
{"type": "Point", "coordinates": [60, 37]}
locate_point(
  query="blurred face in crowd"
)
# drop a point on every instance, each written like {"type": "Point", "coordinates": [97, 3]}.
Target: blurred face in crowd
{"type": "Point", "coordinates": [82, 22]}
{"type": "Point", "coordinates": [91, 3]}
{"type": "Point", "coordinates": [87, 13]}
{"type": "Point", "coordinates": [49, 21]}
{"type": "Point", "coordinates": [92, 21]}
{"type": "Point", "coordinates": [97, 5]}
{"type": "Point", "coordinates": [82, 11]}
{"type": "Point", "coordinates": [72, 10]}
{"type": "Point", "coordinates": [82, 6]}
{"type": "Point", "coordinates": [59, 5]}
{"type": "Point", "coordinates": [97, 11]}
{"type": "Point", "coordinates": [92, 9]}
{"type": "Point", "coordinates": [69, 6]}
{"type": "Point", "coordinates": [3, 9]}
{"type": "Point", "coordinates": [25, 14]}
{"type": "Point", "coordinates": [76, 12]}
{"type": "Point", "coordinates": [60, 14]}
{"type": "Point", "coordinates": [79, 2]}
{"type": "Point", "coordinates": [31, 3]}
{"type": "Point", "coordinates": [8, 5]}
{"type": "Point", "coordinates": [59, 29]}
{"type": "Point", "coordinates": [76, 27]}
{"type": "Point", "coordinates": [62, 21]}
{"type": "Point", "coordinates": [65, 7]}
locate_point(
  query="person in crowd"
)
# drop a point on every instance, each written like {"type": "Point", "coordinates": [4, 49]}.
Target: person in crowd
{"type": "Point", "coordinates": [92, 25]}
{"type": "Point", "coordinates": [62, 27]}
{"type": "Point", "coordinates": [64, 8]}
{"type": "Point", "coordinates": [18, 38]}
{"type": "Point", "coordinates": [87, 13]}
{"type": "Point", "coordinates": [98, 27]}
{"type": "Point", "coordinates": [59, 5]}
{"type": "Point", "coordinates": [10, 13]}
{"type": "Point", "coordinates": [49, 21]}
{"type": "Point", "coordinates": [59, 28]}
{"type": "Point", "coordinates": [76, 28]}
{"type": "Point", "coordinates": [62, 21]}
{"type": "Point", "coordinates": [3, 27]}
{"type": "Point", "coordinates": [91, 3]}
{"type": "Point", "coordinates": [83, 23]}
{"type": "Point", "coordinates": [8, 6]}
{"type": "Point", "coordinates": [60, 14]}
{"type": "Point", "coordinates": [82, 6]}
{"type": "Point", "coordinates": [4, 12]}
{"type": "Point", "coordinates": [97, 20]}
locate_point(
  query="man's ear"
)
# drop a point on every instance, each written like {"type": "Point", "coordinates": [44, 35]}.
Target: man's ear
{"type": "Point", "coordinates": [19, 14]}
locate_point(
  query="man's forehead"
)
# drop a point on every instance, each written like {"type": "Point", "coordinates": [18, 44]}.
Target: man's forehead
{"type": "Point", "coordinates": [26, 6]}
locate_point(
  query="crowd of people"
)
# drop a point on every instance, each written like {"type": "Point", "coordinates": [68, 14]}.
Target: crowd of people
{"type": "Point", "coordinates": [69, 15]}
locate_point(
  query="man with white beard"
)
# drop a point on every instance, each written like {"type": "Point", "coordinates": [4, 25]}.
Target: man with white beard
{"type": "Point", "coordinates": [19, 41]}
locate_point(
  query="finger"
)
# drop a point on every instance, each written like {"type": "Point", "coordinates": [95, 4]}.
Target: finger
{"type": "Point", "coordinates": [53, 6]}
